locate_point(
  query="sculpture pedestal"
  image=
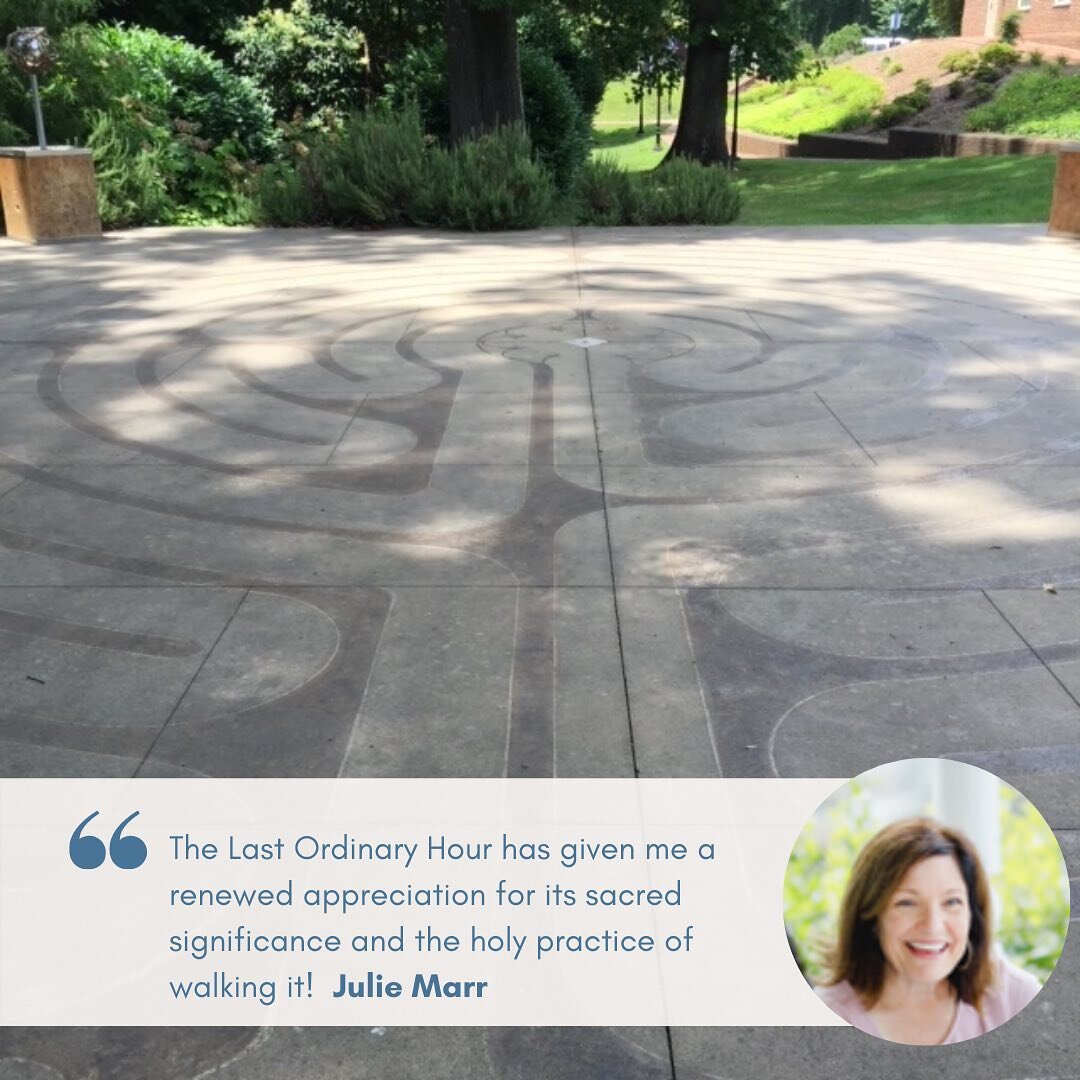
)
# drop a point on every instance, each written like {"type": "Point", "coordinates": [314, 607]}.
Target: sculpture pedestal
{"type": "Point", "coordinates": [48, 194]}
{"type": "Point", "coordinates": [1065, 211]}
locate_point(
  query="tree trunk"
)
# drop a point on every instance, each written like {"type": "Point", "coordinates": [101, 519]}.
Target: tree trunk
{"type": "Point", "coordinates": [702, 131]}
{"type": "Point", "coordinates": [483, 71]}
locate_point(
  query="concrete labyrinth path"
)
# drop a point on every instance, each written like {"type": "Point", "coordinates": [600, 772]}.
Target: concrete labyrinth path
{"type": "Point", "coordinates": [596, 503]}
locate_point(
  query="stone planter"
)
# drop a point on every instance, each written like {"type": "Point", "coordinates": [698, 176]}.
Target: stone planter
{"type": "Point", "coordinates": [48, 194]}
{"type": "Point", "coordinates": [1065, 211]}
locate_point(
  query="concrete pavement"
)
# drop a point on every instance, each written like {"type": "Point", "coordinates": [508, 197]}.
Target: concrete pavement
{"type": "Point", "coordinates": [670, 502]}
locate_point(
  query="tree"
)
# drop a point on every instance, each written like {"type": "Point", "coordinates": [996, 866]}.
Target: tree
{"type": "Point", "coordinates": [816, 19]}
{"type": "Point", "coordinates": [763, 37]}
{"type": "Point", "coordinates": [918, 18]}
{"type": "Point", "coordinates": [391, 28]}
{"type": "Point", "coordinates": [482, 67]}
{"type": "Point", "coordinates": [202, 22]}
{"type": "Point", "coordinates": [948, 14]}
{"type": "Point", "coordinates": [54, 15]}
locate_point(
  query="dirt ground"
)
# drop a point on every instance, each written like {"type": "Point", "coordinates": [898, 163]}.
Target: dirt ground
{"type": "Point", "coordinates": [922, 59]}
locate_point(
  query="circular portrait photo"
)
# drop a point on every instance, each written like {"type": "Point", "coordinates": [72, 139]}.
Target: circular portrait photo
{"type": "Point", "coordinates": [926, 902]}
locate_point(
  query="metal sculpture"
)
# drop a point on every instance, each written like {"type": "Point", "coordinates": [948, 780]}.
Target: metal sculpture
{"type": "Point", "coordinates": [31, 52]}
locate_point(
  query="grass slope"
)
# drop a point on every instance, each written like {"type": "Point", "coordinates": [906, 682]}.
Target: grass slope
{"type": "Point", "coordinates": [936, 191]}
{"type": "Point", "coordinates": [1040, 102]}
{"type": "Point", "coordinates": [836, 100]}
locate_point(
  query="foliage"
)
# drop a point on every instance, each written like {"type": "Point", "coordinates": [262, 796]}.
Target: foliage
{"type": "Point", "coordinates": [379, 171]}
{"type": "Point", "coordinates": [688, 193]}
{"type": "Point", "coordinates": [1038, 102]}
{"type": "Point", "coordinates": [999, 55]}
{"type": "Point", "coordinates": [890, 67]}
{"type": "Point", "coordinates": [961, 62]}
{"type": "Point", "coordinates": [419, 81]}
{"type": "Point", "coordinates": [202, 22]}
{"type": "Point", "coordinates": [905, 106]}
{"type": "Point", "coordinates": [55, 15]}
{"type": "Point", "coordinates": [102, 65]}
{"type": "Point", "coordinates": [391, 29]}
{"type": "Point", "coordinates": [679, 193]}
{"type": "Point", "coordinates": [848, 39]}
{"type": "Point", "coordinates": [918, 18]}
{"type": "Point", "coordinates": [490, 183]}
{"type": "Point", "coordinates": [553, 33]}
{"type": "Point", "coordinates": [817, 875]}
{"type": "Point", "coordinates": [608, 194]}
{"type": "Point", "coordinates": [557, 127]}
{"type": "Point", "coordinates": [948, 15]}
{"type": "Point", "coordinates": [1010, 28]}
{"type": "Point", "coordinates": [836, 100]}
{"type": "Point", "coordinates": [816, 19]}
{"type": "Point", "coordinates": [1034, 908]}
{"type": "Point", "coordinates": [132, 164]}
{"type": "Point", "coordinates": [556, 124]}
{"type": "Point", "coordinates": [307, 64]}
{"type": "Point", "coordinates": [659, 72]}
{"type": "Point", "coordinates": [174, 133]}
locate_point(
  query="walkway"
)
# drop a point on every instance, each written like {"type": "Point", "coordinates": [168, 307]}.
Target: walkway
{"type": "Point", "coordinates": [611, 503]}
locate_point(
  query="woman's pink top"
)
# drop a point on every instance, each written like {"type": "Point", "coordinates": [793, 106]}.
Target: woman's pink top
{"type": "Point", "coordinates": [1012, 990]}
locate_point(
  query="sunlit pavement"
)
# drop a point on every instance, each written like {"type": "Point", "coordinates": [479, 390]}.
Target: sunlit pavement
{"type": "Point", "coordinates": [740, 502]}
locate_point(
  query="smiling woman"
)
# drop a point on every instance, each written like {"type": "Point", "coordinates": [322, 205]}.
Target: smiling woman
{"type": "Point", "coordinates": [914, 962]}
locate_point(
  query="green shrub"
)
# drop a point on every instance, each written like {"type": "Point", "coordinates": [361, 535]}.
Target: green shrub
{"type": "Point", "coordinates": [948, 15]}
{"type": "Point", "coordinates": [979, 92]}
{"type": "Point", "coordinates": [999, 55]}
{"type": "Point", "coordinates": [283, 197]}
{"type": "Point", "coordinates": [308, 65]}
{"type": "Point", "coordinates": [419, 81]}
{"type": "Point", "coordinates": [557, 127]}
{"type": "Point", "coordinates": [1036, 59]}
{"type": "Point", "coordinates": [678, 193]}
{"type": "Point", "coordinates": [607, 194]}
{"type": "Point", "coordinates": [688, 193]}
{"type": "Point", "coordinates": [173, 131]}
{"type": "Point", "coordinates": [838, 99]}
{"type": "Point", "coordinates": [1010, 28]}
{"type": "Point", "coordinates": [133, 166]}
{"type": "Point", "coordinates": [848, 39]}
{"type": "Point", "coordinates": [905, 106]}
{"type": "Point", "coordinates": [101, 64]}
{"type": "Point", "coordinates": [378, 170]}
{"type": "Point", "coordinates": [889, 68]}
{"type": "Point", "coordinates": [546, 31]}
{"type": "Point", "coordinates": [956, 89]}
{"type": "Point", "coordinates": [1041, 102]}
{"type": "Point", "coordinates": [961, 62]}
{"type": "Point", "coordinates": [489, 183]}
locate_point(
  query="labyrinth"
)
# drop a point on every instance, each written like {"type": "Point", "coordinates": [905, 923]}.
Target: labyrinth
{"type": "Point", "coordinates": [574, 503]}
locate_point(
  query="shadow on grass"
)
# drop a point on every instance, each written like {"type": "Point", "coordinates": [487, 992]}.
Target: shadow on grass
{"type": "Point", "coordinates": [607, 140]}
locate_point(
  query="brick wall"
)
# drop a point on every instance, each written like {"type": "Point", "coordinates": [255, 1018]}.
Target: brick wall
{"type": "Point", "coordinates": [974, 24]}
{"type": "Point", "coordinates": [1045, 21]}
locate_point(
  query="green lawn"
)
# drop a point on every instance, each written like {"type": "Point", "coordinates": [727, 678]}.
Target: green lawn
{"type": "Point", "coordinates": [615, 109]}
{"type": "Point", "coordinates": [632, 151]}
{"type": "Point", "coordinates": [936, 191]}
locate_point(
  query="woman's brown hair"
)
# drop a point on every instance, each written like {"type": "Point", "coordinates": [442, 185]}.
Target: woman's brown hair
{"type": "Point", "coordinates": [858, 959]}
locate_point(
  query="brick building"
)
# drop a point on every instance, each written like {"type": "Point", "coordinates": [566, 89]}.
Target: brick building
{"type": "Point", "coordinates": [1045, 22]}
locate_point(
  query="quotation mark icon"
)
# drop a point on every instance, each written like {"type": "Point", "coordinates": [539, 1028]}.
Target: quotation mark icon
{"type": "Point", "coordinates": [88, 852]}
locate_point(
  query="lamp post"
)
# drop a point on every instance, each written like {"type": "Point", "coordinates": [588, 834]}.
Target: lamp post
{"type": "Point", "coordinates": [733, 157]}
{"type": "Point", "coordinates": [31, 52]}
